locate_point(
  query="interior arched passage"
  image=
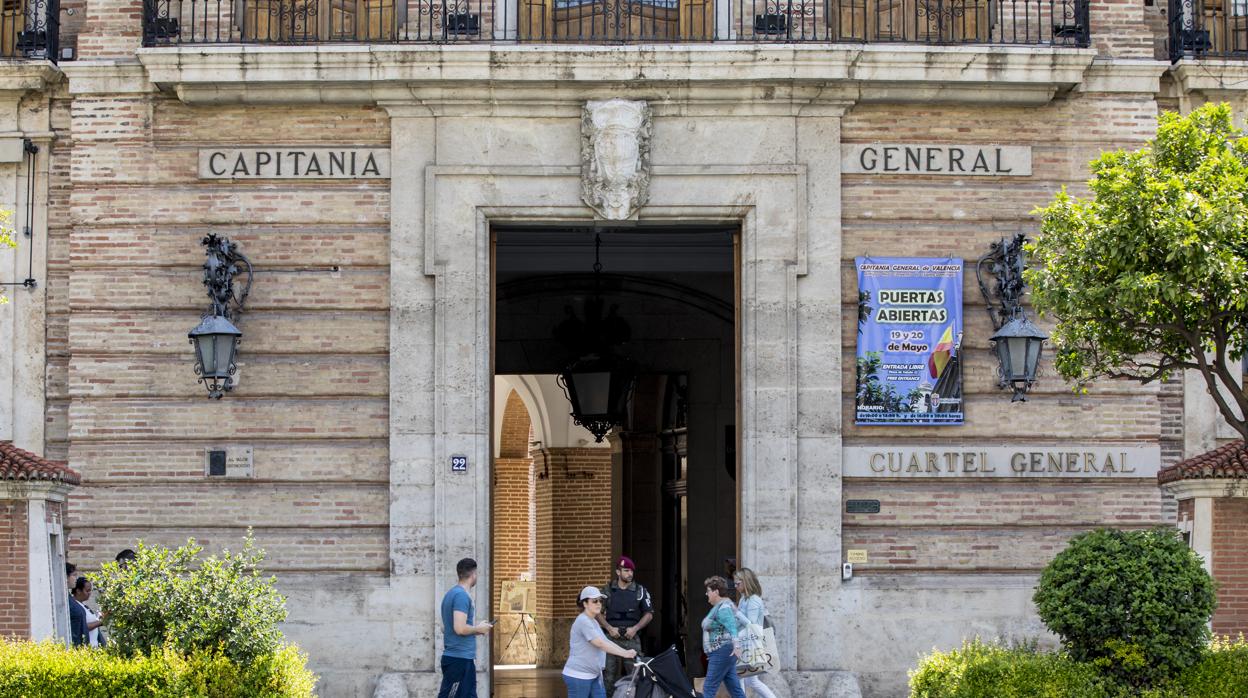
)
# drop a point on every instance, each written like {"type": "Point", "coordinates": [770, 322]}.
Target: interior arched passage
{"type": "Point", "coordinates": [515, 542]}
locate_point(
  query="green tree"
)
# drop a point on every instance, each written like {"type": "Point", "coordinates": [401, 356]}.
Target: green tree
{"type": "Point", "coordinates": [174, 599]}
{"type": "Point", "coordinates": [1150, 275]}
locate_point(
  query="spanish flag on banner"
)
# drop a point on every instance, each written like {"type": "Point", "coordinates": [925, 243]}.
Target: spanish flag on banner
{"type": "Point", "coordinates": [939, 357]}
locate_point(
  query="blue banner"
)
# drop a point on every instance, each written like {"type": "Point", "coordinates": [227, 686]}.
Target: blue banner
{"type": "Point", "coordinates": [909, 368]}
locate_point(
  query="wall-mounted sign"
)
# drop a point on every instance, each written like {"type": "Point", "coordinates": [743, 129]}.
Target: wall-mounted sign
{"type": "Point", "coordinates": [931, 159]}
{"type": "Point", "coordinates": [294, 163]}
{"type": "Point", "coordinates": [909, 338]}
{"type": "Point", "coordinates": [459, 464]}
{"type": "Point", "coordinates": [967, 461]}
{"type": "Point", "coordinates": [229, 462]}
{"type": "Point", "coordinates": [862, 506]}
{"type": "Point", "coordinates": [858, 557]}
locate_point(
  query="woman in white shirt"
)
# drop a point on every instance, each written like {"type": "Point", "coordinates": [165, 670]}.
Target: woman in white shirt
{"type": "Point", "coordinates": [588, 648]}
{"type": "Point", "coordinates": [750, 591]}
{"type": "Point", "coordinates": [82, 593]}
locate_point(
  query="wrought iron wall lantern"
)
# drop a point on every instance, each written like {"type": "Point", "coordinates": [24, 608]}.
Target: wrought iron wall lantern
{"type": "Point", "coordinates": [599, 382]}
{"type": "Point", "coordinates": [1017, 342]}
{"type": "Point", "coordinates": [216, 337]}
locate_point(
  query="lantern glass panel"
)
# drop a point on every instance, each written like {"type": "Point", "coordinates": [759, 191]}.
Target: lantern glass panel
{"type": "Point", "coordinates": [1018, 357]}
{"type": "Point", "coordinates": [1003, 356]}
{"type": "Point", "coordinates": [206, 348]}
{"type": "Point", "coordinates": [224, 353]}
{"type": "Point", "coordinates": [1033, 356]}
{"type": "Point", "coordinates": [593, 392]}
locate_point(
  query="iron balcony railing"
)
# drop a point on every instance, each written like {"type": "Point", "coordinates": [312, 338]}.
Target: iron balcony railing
{"type": "Point", "coordinates": [1025, 22]}
{"type": "Point", "coordinates": [30, 29]}
{"type": "Point", "coordinates": [1208, 28]}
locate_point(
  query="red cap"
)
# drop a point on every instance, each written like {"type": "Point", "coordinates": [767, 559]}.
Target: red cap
{"type": "Point", "coordinates": [627, 563]}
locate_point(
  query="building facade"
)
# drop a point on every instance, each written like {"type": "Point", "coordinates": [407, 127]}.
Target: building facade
{"type": "Point", "coordinates": [405, 179]}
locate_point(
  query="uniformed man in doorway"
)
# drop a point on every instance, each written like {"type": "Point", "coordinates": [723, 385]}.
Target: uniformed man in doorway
{"type": "Point", "coordinates": [628, 611]}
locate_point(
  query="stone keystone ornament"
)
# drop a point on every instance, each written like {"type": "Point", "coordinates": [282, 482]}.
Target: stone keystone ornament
{"type": "Point", "coordinates": [615, 157]}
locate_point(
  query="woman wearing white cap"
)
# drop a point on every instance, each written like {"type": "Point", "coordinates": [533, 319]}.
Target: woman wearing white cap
{"type": "Point", "coordinates": [588, 648]}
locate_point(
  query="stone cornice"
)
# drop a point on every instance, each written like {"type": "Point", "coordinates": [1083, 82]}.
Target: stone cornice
{"type": "Point", "coordinates": [553, 77]}
{"type": "Point", "coordinates": [1216, 488]}
{"type": "Point", "coordinates": [34, 489]}
{"type": "Point", "coordinates": [1124, 75]}
{"type": "Point", "coordinates": [1213, 79]}
{"type": "Point", "coordinates": [107, 77]}
{"type": "Point", "coordinates": [28, 76]}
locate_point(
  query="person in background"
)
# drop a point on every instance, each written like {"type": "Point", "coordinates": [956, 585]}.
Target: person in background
{"type": "Point", "coordinates": [628, 611]}
{"type": "Point", "coordinates": [459, 634]}
{"type": "Point", "coordinates": [730, 573]}
{"type": "Point", "coordinates": [588, 648]}
{"type": "Point", "coordinates": [719, 640]}
{"type": "Point", "coordinates": [125, 557]}
{"type": "Point", "coordinates": [71, 575]}
{"type": "Point", "coordinates": [752, 607]}
{"type": "Point", "coordinates": [84, 625]}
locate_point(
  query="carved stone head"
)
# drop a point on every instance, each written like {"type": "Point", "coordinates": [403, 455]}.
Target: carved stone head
{"type": "Point", "coordinates": [615, 157]}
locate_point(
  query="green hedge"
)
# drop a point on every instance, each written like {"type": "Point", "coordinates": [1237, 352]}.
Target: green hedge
{"type": "Point", "coordinates": [980, 670]}
{"type": "Point", "coordinates": [48, 670]}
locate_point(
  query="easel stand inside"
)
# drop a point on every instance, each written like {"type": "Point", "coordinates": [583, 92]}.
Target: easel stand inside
{"type": "Point", "coordinates": [525, 619]}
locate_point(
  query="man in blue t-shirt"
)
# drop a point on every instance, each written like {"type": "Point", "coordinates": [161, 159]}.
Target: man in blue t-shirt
{"type": "Point", "coordinates": [459, 647]}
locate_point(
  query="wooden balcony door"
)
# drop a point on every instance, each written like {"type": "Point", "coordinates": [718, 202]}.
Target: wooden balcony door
{"type": "Point", "coordinates": [12, 23]}
{"type": "Point", "coordinates": [1227, 24]}
{"type": "Point", "coordinates": [926, 21]}
{"type": "Point", "coordinates": [317, 20]}
{"type": "Point", "coordinates": [617, 20]}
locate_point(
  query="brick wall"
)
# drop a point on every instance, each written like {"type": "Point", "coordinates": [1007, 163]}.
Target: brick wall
{"type": "Point", "coordinates": [14, 570]}
{"type": "Point", "coordinates": [1005, 525]}
{"type": "Point", "coordinates": [112, 29]}
{"type": "Point", "coordinates": [124, 288]}
{"type": "Point", "coordinates": [1230, 565]}
{"type": "Point", "coordinates": [573, 493]}
{"type": "Point", "coordinates": [1122, 28]}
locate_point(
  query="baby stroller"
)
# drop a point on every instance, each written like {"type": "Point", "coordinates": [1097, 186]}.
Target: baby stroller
{"type": "Point", "coordinates": [660, 676]}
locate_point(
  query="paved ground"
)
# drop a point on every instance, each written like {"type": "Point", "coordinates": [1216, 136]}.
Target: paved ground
{"type": "Point", "coordinates": [528, 683]}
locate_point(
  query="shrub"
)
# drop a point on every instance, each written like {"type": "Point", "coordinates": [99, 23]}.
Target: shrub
{"type": "Point", "coordinates": [987, 671]}
{"type": "Point", "coordinates": [1221, 673]}
{"type": "Point", "coordinates": [980, 670]}
{"type": "Point", "coordinates": [1134, 603]}
{"type": "Point", "coordinates": [170, 599]}
{"type": "Point", "coordinates": [48, 669]}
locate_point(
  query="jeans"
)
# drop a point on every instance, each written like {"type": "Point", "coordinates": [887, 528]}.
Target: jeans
{"type": "Point", "coordinates": [585, 688]}
{"type": "Point", "coordinates": [459, 678]}
{"type": "Point", "coordinates": [721, 667]}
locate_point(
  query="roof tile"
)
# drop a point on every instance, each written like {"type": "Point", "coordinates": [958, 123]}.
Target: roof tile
{"type": "Point", "coordinates": [18, 464]}
{"type": "Point", "coordinates": [1229, 461]}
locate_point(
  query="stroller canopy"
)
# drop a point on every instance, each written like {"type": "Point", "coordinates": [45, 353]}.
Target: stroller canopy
{"type": "Point", "coordinates": [665, 672]}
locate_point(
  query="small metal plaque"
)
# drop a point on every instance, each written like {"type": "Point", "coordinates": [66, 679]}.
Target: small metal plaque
{"type": "Point", "coordinates": [216, 464]}
{"type": "Point", "coordinates": [862, 506]}
{"type": "Point", "coordinates": [459, 464]}
{"type": "Point", "coordinates": [857, 557]}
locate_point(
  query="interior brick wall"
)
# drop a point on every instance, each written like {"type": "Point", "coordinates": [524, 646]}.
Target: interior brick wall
{"type": "Point", "coordinates": [573, 495]}
{"type": "Point", "coordinates": [14, 570]}
{"type": "Point", "coordinates": [1230, 565]}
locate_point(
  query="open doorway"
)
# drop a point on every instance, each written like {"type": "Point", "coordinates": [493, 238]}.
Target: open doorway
{"type": "Point", "coordinates": [661, 487]}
